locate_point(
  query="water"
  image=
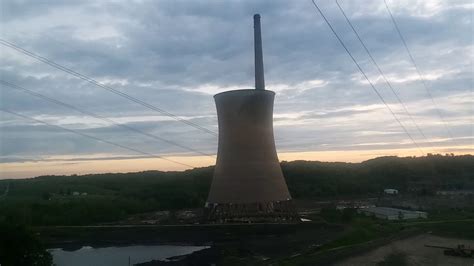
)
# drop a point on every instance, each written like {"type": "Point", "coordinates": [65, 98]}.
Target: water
{"type": "Point", "coordinates": [118, 255]}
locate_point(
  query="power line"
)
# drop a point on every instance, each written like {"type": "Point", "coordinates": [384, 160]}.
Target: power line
{"type": "Point", "coordinates": [382, 74]}
{"type": "Point", "coordinates": [365, 76]}
{"type": "Point", "coordinates": [418, 71]}
{"type": "Point", "coordinates": [95, 138]}
{"type": "Point", "coordinates": [58, 102]}
{"type": "Point", "coordinates": [98, 84]}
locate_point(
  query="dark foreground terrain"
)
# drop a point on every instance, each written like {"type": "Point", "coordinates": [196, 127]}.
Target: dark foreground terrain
{"type": "Point", "coordinates": [155, 207]}
{"type": "Point", "coordinates": [310, 243]}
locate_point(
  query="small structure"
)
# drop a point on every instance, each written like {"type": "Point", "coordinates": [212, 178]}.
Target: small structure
{"type": "Point", "coordinates": [392, 213]}
{"type": "Point", "coordinates": [353, 204]}
{"type": "Point", "coordinates": [462, 192]}
{"type": "Point", "coordinates": [390, 191]}
{"type": "Point", "coordinates": [75, 193]}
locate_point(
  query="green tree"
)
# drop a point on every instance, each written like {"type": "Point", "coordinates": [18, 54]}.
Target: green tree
{"type": "Point", "coordinates": [20, 247]}
{"type": "Point", "coordinates": [46, 196]}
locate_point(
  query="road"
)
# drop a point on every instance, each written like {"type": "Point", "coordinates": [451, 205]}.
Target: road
{"type": "Point", "coordinates": [415, 251]}
{"type": "Point", "coordinates": [440, 221]}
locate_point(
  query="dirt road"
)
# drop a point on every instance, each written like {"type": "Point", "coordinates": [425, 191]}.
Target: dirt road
{"type": "Point", "coordinates": [415, 251]}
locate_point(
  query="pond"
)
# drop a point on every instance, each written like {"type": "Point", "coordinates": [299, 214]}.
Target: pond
{"type": "Point", "coordinates": [119, 255]}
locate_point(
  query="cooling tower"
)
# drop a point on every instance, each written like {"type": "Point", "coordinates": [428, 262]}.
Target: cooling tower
{"type": "Point", "coordinates": [248, 184]}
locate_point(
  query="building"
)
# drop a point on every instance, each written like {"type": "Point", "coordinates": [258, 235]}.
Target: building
{"type": "Point", "coordinates": [392, 213]}
{"type": "Point", "coordinates": [390, 191]}
{"type": "Point", "coordinates": [354, 204]}
{"type": "Point", "coordinates": [248, 184]}
{"type": "Point", "coordinates": [461, 192]}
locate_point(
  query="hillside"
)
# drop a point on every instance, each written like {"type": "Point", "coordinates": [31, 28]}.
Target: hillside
{"type": "Point", "coordinates": [310, 179]}
{"type": "Point", "coordinates": [49, 200]}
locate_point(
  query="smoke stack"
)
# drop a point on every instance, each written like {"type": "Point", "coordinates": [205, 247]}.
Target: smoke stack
{"type": "Point", "coordinates": [259, 77]}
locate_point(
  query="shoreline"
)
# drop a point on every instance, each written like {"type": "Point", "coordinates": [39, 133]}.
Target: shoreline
{"type": "Point", "coordinates": [73, 237]}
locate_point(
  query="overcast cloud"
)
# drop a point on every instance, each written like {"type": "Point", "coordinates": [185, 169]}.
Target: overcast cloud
{"type": "Point", "coordinates": [177, 54]}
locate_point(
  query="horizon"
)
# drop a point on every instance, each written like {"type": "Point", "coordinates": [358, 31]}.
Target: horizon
{"type": "Point", "coordinates": [135, 170]}
{"type": "Point", "coordinates": [324, 108]}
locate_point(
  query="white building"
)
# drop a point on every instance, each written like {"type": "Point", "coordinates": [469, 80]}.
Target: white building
{"type": "Point", "coordinates": [390, 191]}
{"type": "Point", "coordinates": [392, 213]}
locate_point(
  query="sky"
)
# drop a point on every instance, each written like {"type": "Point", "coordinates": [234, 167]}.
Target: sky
{"type": "Point", "coordinates": [176, 55]}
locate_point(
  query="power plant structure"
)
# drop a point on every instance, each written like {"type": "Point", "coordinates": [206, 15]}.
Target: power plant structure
{"type": "Point", "coordinates": [248, 183]}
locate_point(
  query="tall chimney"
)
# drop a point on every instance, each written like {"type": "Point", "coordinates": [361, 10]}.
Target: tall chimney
{"type": "Point", "coordinates": [259, 78]}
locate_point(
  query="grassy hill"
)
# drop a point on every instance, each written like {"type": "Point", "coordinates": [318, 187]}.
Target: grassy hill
{"type": "Point", "coordinates": [50, 200]}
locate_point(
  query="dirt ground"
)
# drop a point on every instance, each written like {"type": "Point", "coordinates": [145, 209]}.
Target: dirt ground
{"type": "Point", "coordinates": [416, 252]}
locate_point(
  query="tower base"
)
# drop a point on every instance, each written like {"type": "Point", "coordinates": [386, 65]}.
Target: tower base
{"type": "Point", "coordinates": [259, 212]}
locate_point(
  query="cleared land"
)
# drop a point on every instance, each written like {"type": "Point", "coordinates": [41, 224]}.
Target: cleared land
{"type": "Point", "coordinates": [414, 252]}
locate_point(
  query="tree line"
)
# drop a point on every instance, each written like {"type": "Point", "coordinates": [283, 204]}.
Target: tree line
{"type": "Point", "coordinates": [49, 200]}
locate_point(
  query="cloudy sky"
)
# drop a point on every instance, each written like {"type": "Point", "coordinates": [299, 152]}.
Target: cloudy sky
{"type": "Point", "coordinates": [176, 55]}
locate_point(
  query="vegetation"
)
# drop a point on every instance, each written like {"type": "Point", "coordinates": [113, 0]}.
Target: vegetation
{"type": "Point", "coordinates": [89, 199]}
{"type": "Point", "coordinates": [20, 247]}
{"type": "Point", "coordinates": [101, 198]}
{"type": "Point", "coordinates": [315, 179]}
{"type": "Point", "coordinates": [449, 228]}
{"type": "Point", "coordinates": [364, 233]}
{"type": "Point", "coordinates": [54, 200]}
{"type": "Point", "coordinates": [363, 229]}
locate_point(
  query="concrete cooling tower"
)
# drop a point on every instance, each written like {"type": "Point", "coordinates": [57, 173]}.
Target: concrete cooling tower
{"type": "Point", "coordinates": [248, 184]}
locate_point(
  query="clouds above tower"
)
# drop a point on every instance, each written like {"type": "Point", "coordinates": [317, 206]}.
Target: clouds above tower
{"type": "Point", "coordinates": [177, 54]}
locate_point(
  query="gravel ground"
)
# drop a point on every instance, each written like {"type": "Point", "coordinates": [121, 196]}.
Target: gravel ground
{"type": "Point", "coordinates": [415, 251]}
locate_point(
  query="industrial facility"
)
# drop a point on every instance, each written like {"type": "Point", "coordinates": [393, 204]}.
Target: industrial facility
{"type": "Point", "coordinates": [248, 184]}
{"type": "Point", "coordinates": [387, 213]}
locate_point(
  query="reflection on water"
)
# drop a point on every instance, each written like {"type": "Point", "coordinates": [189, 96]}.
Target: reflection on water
{"type": "Point", "coordinates": [119, 255]}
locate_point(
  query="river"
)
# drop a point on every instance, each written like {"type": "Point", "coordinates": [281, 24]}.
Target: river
{"type": "Point", "coordinates": [118, 255]}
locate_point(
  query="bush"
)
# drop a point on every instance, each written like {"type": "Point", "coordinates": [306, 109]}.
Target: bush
{"type": "Point", "coordinates": [20, 247]}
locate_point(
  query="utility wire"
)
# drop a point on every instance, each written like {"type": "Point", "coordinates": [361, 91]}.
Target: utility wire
{"type": "Point", "coordinates": [382, 74]}
{"type": "Point", "coordinates": [418, 71]}
{"type": "Point", "coordinates": [365, 76]}
{"type": "Point", "coordinates": [98, 84]}
{"type": "Point", "coordinates": [58, 102]}
{"type": "Point", "coordinates": [95, 138]}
